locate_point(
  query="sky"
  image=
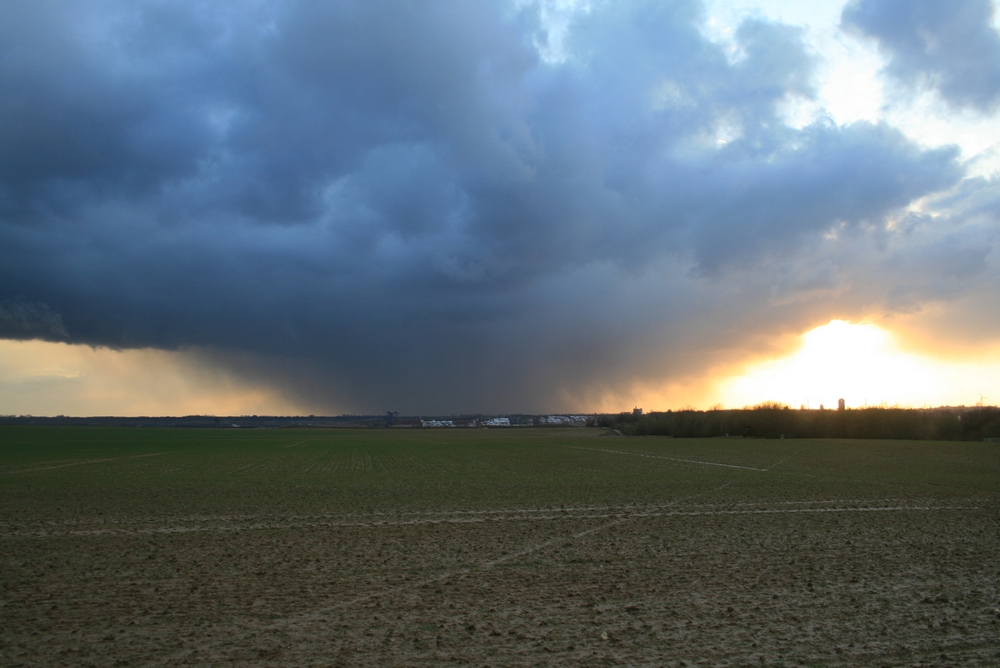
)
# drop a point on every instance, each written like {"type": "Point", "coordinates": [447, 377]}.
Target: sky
{"type": "Point", "coordinates": [445, 207]}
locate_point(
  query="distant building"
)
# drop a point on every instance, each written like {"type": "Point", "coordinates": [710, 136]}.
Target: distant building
{"type": "Point", "coordinates": [636, 411]}
{"type": "Point", "coordinates": [567, 420]}
{"type": "Point", "coordinates": [840, 405]}
{"type": "Point", "coordinates": [437, 423]}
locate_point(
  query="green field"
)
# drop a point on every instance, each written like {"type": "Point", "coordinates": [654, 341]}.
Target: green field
{"type": "Point", "coordinates": [493, 547]}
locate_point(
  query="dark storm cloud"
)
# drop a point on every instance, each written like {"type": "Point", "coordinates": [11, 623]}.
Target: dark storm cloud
{"type": "Point", "coordinates": [20, 319]}
{"type": "Point", "coordinates": [951, 46]}
{"type": "Point", "coordinates": [402, 205]}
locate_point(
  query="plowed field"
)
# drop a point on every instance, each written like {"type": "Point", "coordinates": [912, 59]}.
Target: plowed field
{"type": "Point", "coordinates": [496, 547]}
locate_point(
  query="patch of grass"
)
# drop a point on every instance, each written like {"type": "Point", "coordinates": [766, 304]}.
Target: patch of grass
{"type": "Point", "coordinates": [103, 472]}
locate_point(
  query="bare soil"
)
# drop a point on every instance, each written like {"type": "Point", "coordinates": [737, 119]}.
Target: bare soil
{"type": "Point", "coordinates": [902, 576]}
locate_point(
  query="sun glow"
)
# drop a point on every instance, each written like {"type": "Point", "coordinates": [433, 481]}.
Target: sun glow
{"type": "Point", "coordinates": [862, 364]}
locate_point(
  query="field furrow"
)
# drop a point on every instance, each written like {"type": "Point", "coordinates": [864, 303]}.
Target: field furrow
{"type": "Point", "coordinates": [499, 547]}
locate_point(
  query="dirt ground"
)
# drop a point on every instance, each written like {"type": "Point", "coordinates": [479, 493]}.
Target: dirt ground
{"type": "Point", "coordinates": [890, 580]}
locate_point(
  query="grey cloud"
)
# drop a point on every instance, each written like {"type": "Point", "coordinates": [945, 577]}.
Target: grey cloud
{"type": "Point", "coordinates": [943, 258]}
{"type": "Point", "coordinates": [78, 119]}
{"type": "Point", "coordinates": [856, 175]}
{"type": "Point", "coordinates": [22, 320]}
{"type": "Point", "coordinates": [951, 46]}
{"type": "Point", "coordinates": [401, 205]}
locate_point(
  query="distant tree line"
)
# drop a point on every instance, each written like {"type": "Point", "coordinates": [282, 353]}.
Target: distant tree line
{"type": "Point", "coordinates": [773, 420]}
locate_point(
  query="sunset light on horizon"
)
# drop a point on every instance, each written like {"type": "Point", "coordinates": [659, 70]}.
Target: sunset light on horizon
{"type": "Point", "coordinates": [862, 364]}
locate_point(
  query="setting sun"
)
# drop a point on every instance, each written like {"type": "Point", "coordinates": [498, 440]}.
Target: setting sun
{"type": "Point", "coordinates": [862, 364]}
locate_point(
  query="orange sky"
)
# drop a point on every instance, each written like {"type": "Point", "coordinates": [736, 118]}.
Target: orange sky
{"type": "Point", "coordinates": [861, 363]}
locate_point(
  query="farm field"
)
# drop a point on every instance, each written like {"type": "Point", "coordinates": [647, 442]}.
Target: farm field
{"type": "Point", "coordinates": [500, 547]}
